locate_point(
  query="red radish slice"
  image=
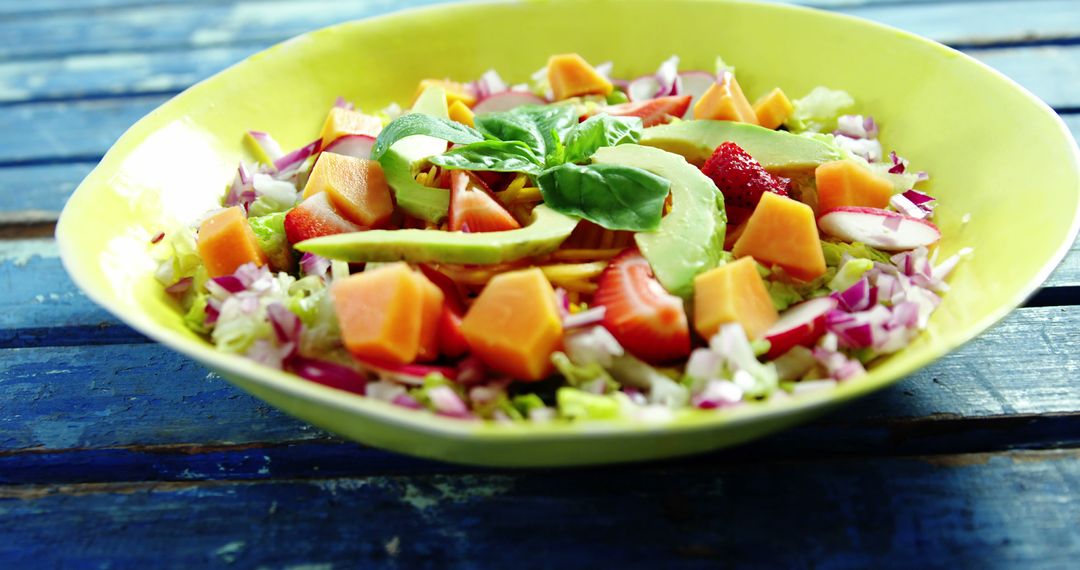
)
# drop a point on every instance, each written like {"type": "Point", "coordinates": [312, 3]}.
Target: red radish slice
{"type": "Point", "coordinates": [358, 146]}
{"type": "Point", "coordinates": [802, 325]}
{"type": "Point", "coordinates": [878, 228]}
{"type": "Point", "coordinates": [695, 84]}
{"type": "Point", "coordinates": [643, 88]}
{"type": "Point", "coordinates": [506, 101]}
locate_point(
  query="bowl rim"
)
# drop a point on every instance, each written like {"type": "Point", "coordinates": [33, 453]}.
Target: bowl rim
{"type": "Point", "coordinates": [429, 424]}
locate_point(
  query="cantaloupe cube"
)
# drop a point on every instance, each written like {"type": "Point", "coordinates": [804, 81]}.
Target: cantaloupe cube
{"type": "Point", "coordinates": [571, 76]}
{"type": "Point", "coordinates": [386, 314]}
{"type": "Point", "coordinates": [356, 187]}
{"type": "Point", "coordinates": [514, 325]}
{"type": "Point", "coordinates": [461, 113]}
{"type": "Point", "coordinates": [431, 309]}
{"type": "Point", "coordinates": [724, 101]}
{"type": "Point", "coordinates": [782, 231]}
{"type": "Point", "coordinates": [734, 292]}
{"type": "Point", "coordinates": [227, 242]}
{"type": "Point", "coordinates": [341, 122]}
{"type": "Point", "coordinates": [847, 183]}
{"type": "Point", "coordinates": [454, 91]}
{"type": "Point", "coordinates": [773, 108]}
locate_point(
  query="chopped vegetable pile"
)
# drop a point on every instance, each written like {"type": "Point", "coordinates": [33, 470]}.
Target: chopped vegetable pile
{"type": "Point", "coordinates": [580, 247]}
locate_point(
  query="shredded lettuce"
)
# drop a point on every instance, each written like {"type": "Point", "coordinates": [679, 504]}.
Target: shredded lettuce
{"type": "Point", "coordinates": [590, 377]}
{"type": "Point", "coordinates": [817, 112]}
{"type": "Point", "coordinates": [195, 318]}
{"type": "Point", "coordinates": [783, 294]}
{"type": "Point", "coordinates": [273, 196]}
{"type": "Point", "coordinates": [578, 404]}
{"type": "Point", "coordinates": [834, 252]}
{"type": "Point", "coordinates": [850, 273]}
{"type": "Point", "coordinates": [270, 232]}
{"type": "Point", "coordinates": [526, 403]}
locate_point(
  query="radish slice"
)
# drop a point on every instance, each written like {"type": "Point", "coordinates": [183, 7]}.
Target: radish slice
{"type": "Point", "coordinates": [695, 84]}
{"type": "Point", "coordinates": [799, 325]}
{"type": "Point", "coordinates": [506, 101]}
{"type": "Point", "coordinates": [643, 88]}
{"type": "Point", "coordinates": [352, 145]}
{"type": "Point", "coordinates": [879, 228]}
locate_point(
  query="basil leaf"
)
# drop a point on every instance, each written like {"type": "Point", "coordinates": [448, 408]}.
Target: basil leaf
{"type": "Point", "coordinates": [421, 124]}
{"type": "Point", "coordinates": [599, 131]}
{"type": "Point", "coordinates": [610, 195]}
{"type": "Point", "coordinates": [539, 127]}
{"type": "Point", "coordinates": [497, 156]}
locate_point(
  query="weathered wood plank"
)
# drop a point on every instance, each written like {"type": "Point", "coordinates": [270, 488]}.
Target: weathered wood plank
{"type": "Point", "coordinates": [1016, 509]}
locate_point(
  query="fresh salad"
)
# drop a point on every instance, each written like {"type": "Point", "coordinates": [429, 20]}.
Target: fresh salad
{"type": "Point", "coordinates": [578, 247]}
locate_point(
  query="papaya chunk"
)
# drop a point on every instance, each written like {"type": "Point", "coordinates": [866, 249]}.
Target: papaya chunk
{"type": "Point", "coordinates": [734, 292]}
{"type": "Point", "coordinates": [847, 183]}
{"type": "Point", "coordinates": [773, 108]}
{"type": "Point", "coordinates": [385, 314]}
{"type": "Point", "coordinates": [571, 76]}
{"type": "Point", "coordinates": [454, 91]}
{"type": "Point", "coordinates": [782, 231]}
{"type": "Point", "coordinates": [227, 242]}
{"type": "Point", "coordinates": [514, 325]}
{"type": "Point", "coordinates": [431, 309]}
{"type": "Point", "coordinates": [356, 188]}
{"type": "Point", "coordinates": [461, 113]}
{"type": "Point", "coordinates": [725, 101]}
{"type": "Point", "coordinates": [341, 122]}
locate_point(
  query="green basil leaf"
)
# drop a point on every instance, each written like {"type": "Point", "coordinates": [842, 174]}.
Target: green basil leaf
{"type": "Point", "coordinates": [497, 156]}
{"type": "Point", "coordinates": [421, 124]}
{"type": "Point", "coordinates": [610, 195]}
{"type": "Point", "coordinates": [540, 127]}
{"type": "Point", "coordinates": [599, 131]}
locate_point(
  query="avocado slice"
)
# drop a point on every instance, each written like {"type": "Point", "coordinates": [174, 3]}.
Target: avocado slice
{"type": "Point", "coordinates": [400, 161]}
{"type": "Point", "coordinates": [690, 239]}
{"type": "Point", "coordinates": [779, 152]}
{"type": "Point", "coordinates": [543, 235]}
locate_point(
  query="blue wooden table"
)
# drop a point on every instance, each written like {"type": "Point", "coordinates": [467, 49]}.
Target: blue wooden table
{"type": "Point", "coordinates": [117, 453]}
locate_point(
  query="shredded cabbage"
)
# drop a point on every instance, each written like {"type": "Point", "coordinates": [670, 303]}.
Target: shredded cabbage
{"type": "Point", "coordinates": [818, 111]}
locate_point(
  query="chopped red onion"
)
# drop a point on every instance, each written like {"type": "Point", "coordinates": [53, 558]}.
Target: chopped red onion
{"type": "Point", "coordinates": [562, 302]}
{"type": "Point", "coordinates": [667, 77]}
{"type": "Point", "coordinates": [585, 318]}
{"type": "Point", "coordinates": [856, 127]}
{"type": "Point", "coordinates": [212, 313]}
{"type": "Point", "coordinates": [230, 283]}
{"type": "Point", "coordinates": [407, 401]}
{"type": "Point", "coordinates": [342, 103]}
{"type": "Point", "coordinates": [287, 326]}
{"type": "Point", "coordinates": [718, 394]}
{"type": "Point", "coordinates": [704, 364]}
{"type": "Point", "coordinates": [269, 354]}
{"type": "Point", "coordinates": [180, 286]}
{"type": "Point", "coordinates": [447, 403]}
{"type": "Point", "coordinates": [313, 264]}
{"type": "Point", "coordinates": [899, 164]}
{"type": "Point", "coordinates": [268, 145]}
{"type": "Point", "coordinates": [859, 297]}
{"type": "Point", "coordinates": [328, 373]}
{"type": "Point", "coordinates": [297, 156]}
{"type": "Point", "coordinates": [905, 206]}
{"type": "Point", "coordinates": [919, 198]}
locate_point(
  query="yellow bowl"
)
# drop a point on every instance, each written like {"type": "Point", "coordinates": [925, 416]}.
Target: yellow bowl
{"type": "Point", "coordinates": [995, 152]}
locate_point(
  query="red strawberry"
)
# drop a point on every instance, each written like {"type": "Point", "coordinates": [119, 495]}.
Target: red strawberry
{"type": "Point", "coordinates": [741, 179]}
{"type": "Point", "coordinates": [315, 217]}
{"type": "Point", "coordinates": [647, 320]}
{"type": "Point", "coordinates": [474, 209]}
{"type": "Point", "coordinates": [653, 111]}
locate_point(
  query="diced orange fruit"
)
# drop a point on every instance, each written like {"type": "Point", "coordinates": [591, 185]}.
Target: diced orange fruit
{"type": "Point", "coordinates": [454, 91]}
{"type": "Point", "coordinates": [847, 183]}
{"type": "Point", "coordinates": [356, 187]}
{"type": "Point", "coordinates": [782, 231]}
{"type": "Point", "coordinates": [571, 76]}
{"type": "Point", "coordinates": [734, 292]}
{"type": "Point", "coordinates": [384, 314]}
{"type": "Point", "coordinates": [227, 242]}
{"type": "Point", "coordinates": [461, 113]}
{"type": "Point", "coordinates": [514, 325]}
{"type": "Point", "coordinates": [430, 311]}
{"type": "Point", "coordinates": [724, 101]}
{"type": "Point", "coordinates": [341, 122]}
{"type": "Point", "coordinates": [773, 108]}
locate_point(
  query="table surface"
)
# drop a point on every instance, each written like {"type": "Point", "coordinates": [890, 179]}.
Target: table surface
{"type": "Point", "coordinates": [116, 452]}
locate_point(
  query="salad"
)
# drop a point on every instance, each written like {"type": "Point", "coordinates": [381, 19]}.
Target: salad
{"type": "Point", "coordinates": [578, 247]}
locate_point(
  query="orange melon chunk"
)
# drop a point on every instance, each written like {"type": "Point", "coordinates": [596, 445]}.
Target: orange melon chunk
{"type": "Point", "coordinates": [847, 183]}
{"type": "Point", "coordinates": [461, 113]}
{"type": "Point", "coordinates": [454, 91]}
{"type": "Point", "coordinates": [734, 292]}
{"type": "Point", "coordinates": [782, 231]}
{"type": "Point", "coordinates": [724, 101]}
{"type": "Point", "coordinates": [356, 188]}
{"type": "Point", "coordinates": [227, 242]}
{"type": "Point", "coordinates": [571, 76]}
{"type": "Point", "coordinates": [386, 314]}
{"type": "Point", "coordinates": [773, 108]}
{"type": "Point", "coordinates": [341, 122]}
{"type": "Point", "coordinates": [514, 325]}
{"type": "Point", "coordinates": [430, 311]}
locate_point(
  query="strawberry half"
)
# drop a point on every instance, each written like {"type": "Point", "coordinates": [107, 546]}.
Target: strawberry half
{"type": "Point", "coordinates": [473, 208]}
{"type": "Point", "coordinates": [741, 179]}
{"type": "Point", "coordinates": [316, 217]}
{"type": "Point", "coordinates": [647, 320]}
{"type": "Point", "coordinates": [653, 111]}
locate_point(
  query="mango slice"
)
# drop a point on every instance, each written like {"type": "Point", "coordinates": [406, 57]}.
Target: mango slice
{"type": "Point", "coordinates": [782, 231]}
{"type": "Point", "coordinates": [847, 183]}
{"type": "Point", "coordinates": [571, 76]}
{"type": "Point", "coordinates": [724, 101]}
{"type": "Point", "coordinates": [514, 325]}
{"type": "Point", "coordinates": [461, 113]}
{"type": "Point", "coordinates": [734, 292]}
{"type": "Point", "coordinates": [454, 91]}
{"type": "Point", "coordinates": [356, 188]}
{"type": "Point", "coordinates": [341, 122]}
{"type": "Point", "coordinates": [384, 313]}
{"type": "Point", "coordinates": [227, 242]}
{"type": "Point", "coordinates": [773, 108]}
